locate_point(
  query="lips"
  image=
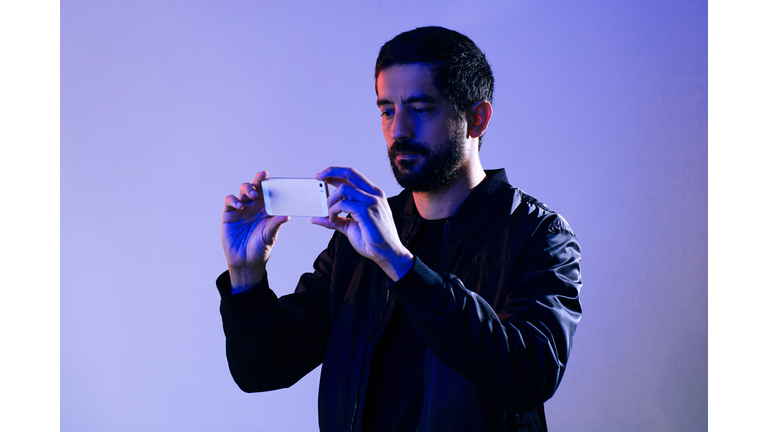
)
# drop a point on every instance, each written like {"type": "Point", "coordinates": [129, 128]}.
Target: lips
{"type": "Point", "coordinates": [407, 155]}
{"type": "Point", "coordinates": [406, 159]}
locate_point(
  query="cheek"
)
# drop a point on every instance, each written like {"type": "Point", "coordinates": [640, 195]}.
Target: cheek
{"type": "Point", "coordinates": [437, 131]}
{"type": "Point", "coordinates": [457, 128]}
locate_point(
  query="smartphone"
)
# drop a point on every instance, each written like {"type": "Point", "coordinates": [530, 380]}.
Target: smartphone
{"type": "Point", "coordinates": [295, 197]}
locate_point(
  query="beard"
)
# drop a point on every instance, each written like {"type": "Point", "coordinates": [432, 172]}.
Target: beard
{"type": "Point", "coordinates": [437, 169]}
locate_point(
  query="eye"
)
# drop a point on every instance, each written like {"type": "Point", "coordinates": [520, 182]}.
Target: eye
{"type": "Point", "coordinates": [387, 113]}
{"type": "Point", "coordinates": [420, 110]}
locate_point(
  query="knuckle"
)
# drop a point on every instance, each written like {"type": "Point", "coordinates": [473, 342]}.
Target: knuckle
{"type": "Point", "coordinates": [343, 191]}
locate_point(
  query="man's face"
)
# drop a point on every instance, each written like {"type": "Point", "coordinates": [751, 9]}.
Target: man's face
{"type": "Point", "coordinates": [425, 137]}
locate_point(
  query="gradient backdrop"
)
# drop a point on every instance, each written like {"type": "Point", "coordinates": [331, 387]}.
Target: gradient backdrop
{"type": "Point", "coordinates": [167, 106]}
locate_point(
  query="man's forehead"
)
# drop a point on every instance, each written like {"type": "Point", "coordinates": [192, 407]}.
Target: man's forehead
{"type": "Point", "coordinates": [407, 82]}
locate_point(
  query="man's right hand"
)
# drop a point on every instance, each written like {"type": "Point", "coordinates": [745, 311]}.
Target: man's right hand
{"type": "Point", "coordinates": [248, 234]}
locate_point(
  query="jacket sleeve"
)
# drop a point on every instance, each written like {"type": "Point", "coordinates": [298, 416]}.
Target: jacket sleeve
{"type": "Point", "coordinates": [515, 355]}
{"type": "Point", "coordinates": [271, 343]}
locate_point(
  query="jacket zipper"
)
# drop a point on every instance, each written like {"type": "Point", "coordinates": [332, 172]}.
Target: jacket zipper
{"type": "Point", "coordinates": [365, 353]}
{"type": "Point", "coordinates": [362, 370]}
{"type": "Point", "coordinates": [444, 246]}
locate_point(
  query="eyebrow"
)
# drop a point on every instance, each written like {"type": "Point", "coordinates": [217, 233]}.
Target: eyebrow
{"type": "Point", "coordinates": [421, 97]}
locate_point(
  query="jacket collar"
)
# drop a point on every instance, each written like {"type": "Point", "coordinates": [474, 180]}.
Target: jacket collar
{"type": "Point", "coordinates": [494, 181]}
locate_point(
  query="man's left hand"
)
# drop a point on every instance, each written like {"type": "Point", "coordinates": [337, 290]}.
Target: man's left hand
{"type": "Point", "coordinates": [370, 228]}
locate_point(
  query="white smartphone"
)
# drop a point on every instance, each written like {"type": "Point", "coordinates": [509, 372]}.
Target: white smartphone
{"type": "Point", "coordinates": [295, 197]}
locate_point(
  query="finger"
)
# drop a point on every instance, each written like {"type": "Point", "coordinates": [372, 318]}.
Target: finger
{"type": "Point", "coordinates": [248, 192]}
{"type": "Point", "coordinates": [349, 193]}
{"type": "Point", "coordinates": [339, 175]}
{"type": "Point", "coordinates": [231, 203]}
{"type": "Point", "coordinates": [353, 208]}
{"type": "Point", "coordinates": [333, 210]}
{"type": "Point", "coordinates": [235, 210]}
{"type": "Point", "coordinates": [342, 198]}
{"type": "Point", "coordinates": [260, 177]}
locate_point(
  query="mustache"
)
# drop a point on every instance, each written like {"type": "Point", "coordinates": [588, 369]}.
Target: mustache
{"type": "Point", "coordinates": [408, 146]}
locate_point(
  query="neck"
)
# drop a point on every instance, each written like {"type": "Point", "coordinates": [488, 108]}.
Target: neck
{"type": "Point", "coordinates": [444, 202]}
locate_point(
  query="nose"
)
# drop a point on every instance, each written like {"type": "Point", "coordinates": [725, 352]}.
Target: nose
{"type": "Point", "coordinates": [402, 126]}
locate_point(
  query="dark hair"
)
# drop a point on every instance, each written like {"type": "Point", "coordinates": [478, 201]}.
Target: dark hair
{"type": "Point", "coordinates": [461, 72]}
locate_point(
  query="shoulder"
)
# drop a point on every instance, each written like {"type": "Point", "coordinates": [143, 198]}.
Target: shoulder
{"type": "Point", "coordinates": [526, 209]}
{"type": "Point", "coordinates": [398, 200]}
{"type": "Point", "coordinates": [402, 205]}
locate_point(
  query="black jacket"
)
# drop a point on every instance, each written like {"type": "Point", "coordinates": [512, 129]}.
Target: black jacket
{"type": "Point", "coordinates": [498, 314]}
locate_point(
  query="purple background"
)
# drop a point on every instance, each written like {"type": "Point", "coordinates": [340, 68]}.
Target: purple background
{"type": "Point", "coordinates": [167, 106]}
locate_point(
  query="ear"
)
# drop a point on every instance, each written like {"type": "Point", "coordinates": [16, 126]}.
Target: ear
{"type": "Point", "coordinates": [478, 118]}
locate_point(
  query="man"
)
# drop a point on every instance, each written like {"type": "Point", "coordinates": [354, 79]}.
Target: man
{"type": "Point", "coordinates": [451, 306]}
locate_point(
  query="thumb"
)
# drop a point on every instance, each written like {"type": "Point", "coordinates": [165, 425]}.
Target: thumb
{"type": "Point", "coordinates": [340, 224]}
{"type": "Point", "coordinates": [273, 226]}
{"type": "Point", "coordinates": [324, 222]}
